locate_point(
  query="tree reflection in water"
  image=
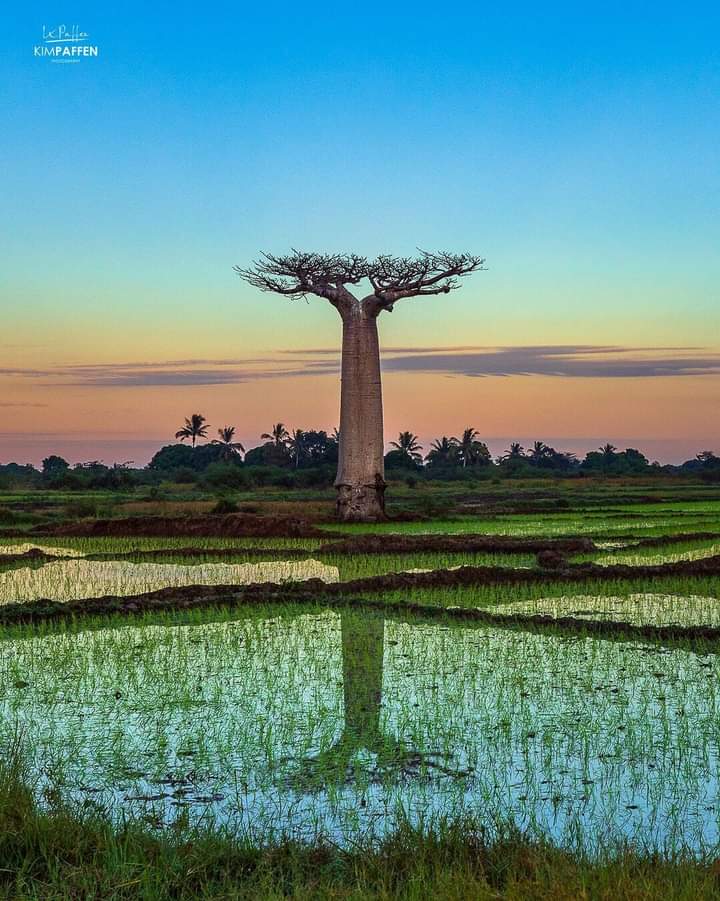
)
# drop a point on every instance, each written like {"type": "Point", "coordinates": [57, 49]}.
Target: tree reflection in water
{"type": "Point", "coordinates": [364, 753]}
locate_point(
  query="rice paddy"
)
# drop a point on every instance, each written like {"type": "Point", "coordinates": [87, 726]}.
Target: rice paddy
{"type": "Point", "coordinates": [60, 581]}
{"type": "Point", "coordinates": [314, 715]}
{"type": "Point", "coordinates": [638, 609]}
{"type": "Point", "coordinates": [345, 725]}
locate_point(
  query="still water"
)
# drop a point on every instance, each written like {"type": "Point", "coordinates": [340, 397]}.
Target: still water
{"type": "Point", "coordinates": [344, 724]}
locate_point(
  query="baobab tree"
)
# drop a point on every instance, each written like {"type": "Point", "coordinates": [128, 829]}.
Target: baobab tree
{"type": "Point", "coordinates": [360, 481]}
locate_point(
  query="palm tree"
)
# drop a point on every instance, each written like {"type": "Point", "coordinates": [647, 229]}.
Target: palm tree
{"type": "Point", "coordinates": [195, 427]}
{"type": "Point", "coordinates": [540, 452]}
{"type": "Point", "coordinates": [408, 444]}
{"type": "Point", "coordinates": [468, 446]}
{"type": "Point", "coordinates": [279, 435]}
{"type": "Point", "coordinates": [608, 451]}
{"type": "Point", "coordinates": [442, 451]}
{"type": "Point", "coordinates": [515, 452]}
{"type": "Point", "coordinates": [295, 443]}
{"type": "Point", "coordinates": [707, 458]}
{"type": "Point", "coordinates": [227, 442]}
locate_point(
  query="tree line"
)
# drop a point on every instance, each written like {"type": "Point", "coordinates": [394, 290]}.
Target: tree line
{"type": "Point", "coordinates": [308, 458]}
{"type": "Point", "coordinates": [301, 447]}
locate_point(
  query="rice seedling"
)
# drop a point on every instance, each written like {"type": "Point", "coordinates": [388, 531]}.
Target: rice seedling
{"type": "Point", "coordinates": [66, 580]}
{"type": "Point", "coordinates": [313, 723]}
{"type": "Point", "coordinates": [345, 725]}
{"type": "Point", "coordinates": [644, 609]}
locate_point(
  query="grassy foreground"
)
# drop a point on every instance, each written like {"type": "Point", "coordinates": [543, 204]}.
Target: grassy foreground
{"type": "Point", "coordinates": [58, 854]}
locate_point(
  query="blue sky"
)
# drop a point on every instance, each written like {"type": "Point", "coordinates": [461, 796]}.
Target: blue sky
{"type": "Point", "coordinates": [576, 148]}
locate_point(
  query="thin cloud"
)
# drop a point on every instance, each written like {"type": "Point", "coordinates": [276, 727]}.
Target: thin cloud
{"type": "Point", "coordinates": [558, 361]}
{"type": "Point", "coordinates": [3, 404]}
{"type": "Point", "coordinates": [139, 376]}
{"type": "Point", "coordinates": [576, 361]}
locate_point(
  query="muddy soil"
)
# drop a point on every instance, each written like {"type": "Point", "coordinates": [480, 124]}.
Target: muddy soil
{"type": "Point", "coordinates": [234, 525]}
{"type": "Point", "coordinates": [254, 595]}
{"type": "Point", "coordinates": [661, 540]}
{"type": "Point", "coordinates": [34, 555]}
{"type": "Point", "coordinates": [550, 551]}
{"type": "Point", "coordinates": [495, 575]}
{"type": "Point", "coordinates": [414, 544]}
{"type": "Point", "coordinates": [265, 553]}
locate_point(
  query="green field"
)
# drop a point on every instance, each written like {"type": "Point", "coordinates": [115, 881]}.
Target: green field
{"type": "Point", "coordinates": [434, 704]}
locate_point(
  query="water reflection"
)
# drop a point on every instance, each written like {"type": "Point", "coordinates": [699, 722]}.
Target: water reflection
{"type": "Point", "coordinates": [646, 609]}
{"type": "Point", "coordinates": [66, 580]}
{"type": "Point", "coordinates": [657, 558]}
{"type": "Point", "coordinates": [338, 725]}
{"type": "Point", "coordinates": [12, 549]}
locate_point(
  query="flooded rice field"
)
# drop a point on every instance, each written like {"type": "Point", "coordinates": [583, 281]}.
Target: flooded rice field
{"type": "Point", "coordinates": [67, 580]}
{"type": "Point", "coordinates": [653, 557]}
{"type": "Point", "coordinates": [344, 716]}
{"type": "Point", "coordinates": [74, 576]}
{"type": "Point", "coordinates": [344, 724]}
{"type": "Point", "coordinates": [637, 609]}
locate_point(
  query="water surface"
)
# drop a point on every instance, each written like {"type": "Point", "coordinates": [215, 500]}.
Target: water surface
{"type": "Point", "coordinates": [66, 580]}
{"type": "Point", "coordinates": [341, 724]}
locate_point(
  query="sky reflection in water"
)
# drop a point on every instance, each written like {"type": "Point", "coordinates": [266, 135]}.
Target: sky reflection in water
{"type": "Point", "coordinates": [328, 723]}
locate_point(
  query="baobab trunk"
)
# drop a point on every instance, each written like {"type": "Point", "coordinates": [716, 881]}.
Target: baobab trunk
{"type": "Point", "coordinates": [363, 645]}
{"type": "Point", "coordinates": [360, 483]}
{"type": "Point", "coordinates": [360, 479]}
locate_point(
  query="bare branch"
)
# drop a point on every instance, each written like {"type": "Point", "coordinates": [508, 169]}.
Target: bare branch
{"type": "Point", "coordinates": [299, 274]}
{"type": "Point", "coordinates": [394, 278]}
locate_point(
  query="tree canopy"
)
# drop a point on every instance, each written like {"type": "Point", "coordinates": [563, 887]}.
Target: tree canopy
{"type": "Point", "coordinates": [299, 273]}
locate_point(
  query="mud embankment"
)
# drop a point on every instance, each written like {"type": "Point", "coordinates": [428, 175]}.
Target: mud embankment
{"type": "Point", "coordinates": [34, 555]}
{"type": "Point", "coordinates": [662, 540]}
{"type": "Point", "coordinates": [551, 552]}
{"type": "Point", "coordinates": [316, 591]}
{"type": "Point", "coordinates": [234, 525]}
{"type": "Point", "coordinates": [471, 544]}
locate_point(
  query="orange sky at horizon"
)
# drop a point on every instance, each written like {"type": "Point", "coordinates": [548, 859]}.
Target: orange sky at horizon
{"type": "Point", "coordinates": [428, 403]}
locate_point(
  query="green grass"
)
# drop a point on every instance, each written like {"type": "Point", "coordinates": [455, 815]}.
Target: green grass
{"type": "Point", "coordinates": [600, 524]}
{"type": "Point", "coordinates": [393, 743]}
{"type": "Point", "coordinates": [58, 854]}
{"type": "Point", "coordinates": [120, 545]}
{"type": "Point", "coordinates": [256, 719]}
{"type": "Point", "coordinates": [61, 854]}
{"type": "Point", "coordinates": [484, 596]}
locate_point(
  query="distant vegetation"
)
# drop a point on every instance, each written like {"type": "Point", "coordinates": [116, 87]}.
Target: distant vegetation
{"type": "Point", "coordinates": [307, 458]}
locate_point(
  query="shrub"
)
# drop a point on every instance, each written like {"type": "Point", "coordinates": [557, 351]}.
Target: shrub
{"type": "Point", "coordinates": [397, 459]}
{"type": "Point", "coordinates": [185, 476]}
{"type": "Point", "coordinates": [180, 456]}
{"type": "Point", "coordinates": [224, 506]}
{"type": "Point", "coordinates": [263, 476]}
{"type": "Point", "coordinates": [80, 509]}
{"type": "Point", "coordinates": [226, 475]}
{"type": "Point", "coordinates": [318, 477]}
{"type": "Point", "coordinates": [268, 455]}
